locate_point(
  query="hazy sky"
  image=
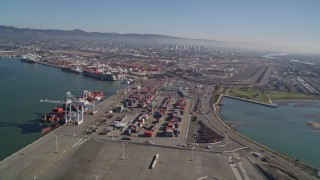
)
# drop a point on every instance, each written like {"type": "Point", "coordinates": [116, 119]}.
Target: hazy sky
{"type": "Point", "coordinates": [290, 24]}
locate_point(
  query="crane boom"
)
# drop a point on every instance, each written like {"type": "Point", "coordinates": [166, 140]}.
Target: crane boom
{"type": "Point", "coordinates": [74, 107]}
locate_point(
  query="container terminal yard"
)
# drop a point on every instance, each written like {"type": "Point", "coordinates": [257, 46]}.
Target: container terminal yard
{"type": "Point", "coordinates": [164, 128]}
{"type": "Point", "coordinates": [162, 118]}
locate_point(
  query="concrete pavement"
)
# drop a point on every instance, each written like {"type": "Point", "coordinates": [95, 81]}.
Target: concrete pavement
{"type": "Point", "coordinates": [89, 156]}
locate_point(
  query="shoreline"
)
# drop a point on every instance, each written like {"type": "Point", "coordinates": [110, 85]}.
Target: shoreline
{"type": "Point", "coordinates": [18, 58]}
{"type": "Point", "coordinates": [251, 101]}
{"type": "Point", "coordinates": [48, 134]}
{"type": "Point", "coordinates": [287, 101]}
{"type": "Point", "coordinates": [217, 114]}
{"type": "Point", "coordinates": [47, 64]}
{"type": "Point", "coordinates": [296, 100]}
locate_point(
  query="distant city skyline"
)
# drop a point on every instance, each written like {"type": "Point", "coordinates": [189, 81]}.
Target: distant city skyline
{"type": "Point", "coordinates": [287, 25]}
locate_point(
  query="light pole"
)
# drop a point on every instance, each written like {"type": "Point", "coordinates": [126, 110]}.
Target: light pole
{"type": "Point", "coordinates": [229, 141]}
{"type": "Point", "coordinates": [96, 177]}
{"type": "Point", "coordinates": [123, 150]}
{"type": "Point", "coordinates": [194, 147]}
{"type": "Point", "coordinates": [192, 153]}
{"type": "Point", "coordinates": [111, 134]}
{"type": "Point", "coordinates": [57, 144]}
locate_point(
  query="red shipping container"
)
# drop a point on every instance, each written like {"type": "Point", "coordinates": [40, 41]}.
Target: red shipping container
{"type": "Point", "coordinates": [148, 133]}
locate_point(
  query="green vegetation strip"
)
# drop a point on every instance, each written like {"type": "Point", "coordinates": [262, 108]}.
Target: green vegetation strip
{"type": "Point", "coordinates": [289, 95]}
{"type": "Point", "coordinates": [262, 96]}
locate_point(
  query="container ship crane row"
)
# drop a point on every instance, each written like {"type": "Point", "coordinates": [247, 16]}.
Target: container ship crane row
{"type": "Point", "coordinates": [73, 108]}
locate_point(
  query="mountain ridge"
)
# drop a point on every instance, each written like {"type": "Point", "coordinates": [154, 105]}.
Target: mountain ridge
{"type": "Point", "coordinates": [51, 33]}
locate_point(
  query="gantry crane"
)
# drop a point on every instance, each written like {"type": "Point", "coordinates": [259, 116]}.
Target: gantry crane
{"type": "Point", "coordinates": [74, 108]}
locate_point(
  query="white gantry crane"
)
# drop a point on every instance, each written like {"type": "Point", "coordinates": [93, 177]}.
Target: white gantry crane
{"type": "Point", "coordinates": [74, 108]}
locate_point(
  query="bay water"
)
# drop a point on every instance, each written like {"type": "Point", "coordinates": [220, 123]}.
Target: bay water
{"type": "Point", "coordinates": [283, 129]}
{"type": "Point", "coordinates": [22, 86]}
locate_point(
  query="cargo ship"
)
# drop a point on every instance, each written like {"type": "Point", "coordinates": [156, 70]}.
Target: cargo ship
{"type": "Point", "coordinates": [52, 120]}
{"type": "Point", "coordinates": [30, 58]}
{"type": "Point", "coordinates": [97, 96]}
{"type": "Point", "coordinates": [72, 69]}
{"type": "Point", "coordinates": [92, 96]}
{"type": "Point", "coordinates": [99, 74]}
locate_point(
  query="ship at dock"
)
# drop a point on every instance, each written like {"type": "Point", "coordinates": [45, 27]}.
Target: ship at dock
{"type": "Point", "coordinates": [99, 73]}
{"type": "Point", "coordinates": [30, 58]}
{"type": "Point", "coordinates": [76, 67]}
{"type": "Point", "coordinates": [96, 70]}
{"type": "Point", "coordinates": [72, 69]}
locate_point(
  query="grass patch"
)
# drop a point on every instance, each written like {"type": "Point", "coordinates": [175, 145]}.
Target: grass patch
{"type": "Point", "coordinates": [262, 96]}
{"type": "Point", "coordinates": [275, 95]}
{"type": "Point", "coordinates": [249, 93]}
{"type": "Point", "coordinates": [216, 94]}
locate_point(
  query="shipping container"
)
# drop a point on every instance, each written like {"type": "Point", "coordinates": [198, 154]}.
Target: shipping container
{"type": "Point", "coordinates": [169, 132]}
{"type": "Point", "coordinates": [176, 125]}
{"type": "Point", "coordinates": [148, 133]}
{"type": "Point", "coordinates": [182, 112]}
